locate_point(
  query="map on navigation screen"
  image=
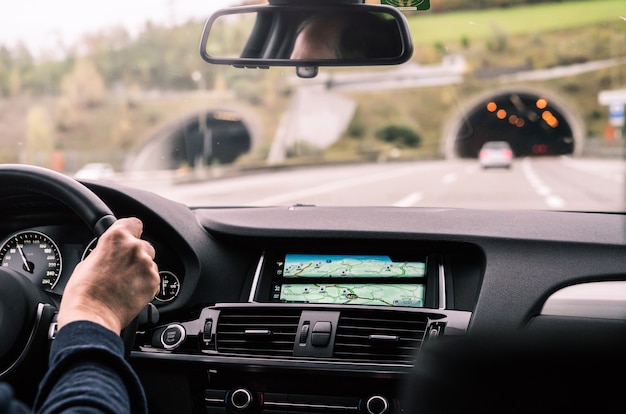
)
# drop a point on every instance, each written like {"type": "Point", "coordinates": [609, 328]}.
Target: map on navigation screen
{"type": "Point", "coordinates": [301, 265]}
{"type": "Point", "coordinates": [350, 279]}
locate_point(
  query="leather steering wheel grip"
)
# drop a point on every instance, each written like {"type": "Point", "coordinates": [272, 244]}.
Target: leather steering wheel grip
{"type": "Point", "coordinates": [93, 211]}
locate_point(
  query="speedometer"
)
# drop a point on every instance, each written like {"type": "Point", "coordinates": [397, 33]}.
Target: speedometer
{"type": "Point", "coordinates": [35, 255]}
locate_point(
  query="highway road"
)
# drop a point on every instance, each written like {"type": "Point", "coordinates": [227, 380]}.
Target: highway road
{"type": "Point", "coordinates": [559, 183]}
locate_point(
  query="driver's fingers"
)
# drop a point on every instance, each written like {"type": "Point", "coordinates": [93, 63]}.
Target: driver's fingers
{"type": "Point", "coordinates": [149, 249]}
{"type": "Point", "coordinates": [131, 224]}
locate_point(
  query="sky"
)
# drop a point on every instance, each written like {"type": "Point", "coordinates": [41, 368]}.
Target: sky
{"type": "Point", "coordinates": [41, 24]}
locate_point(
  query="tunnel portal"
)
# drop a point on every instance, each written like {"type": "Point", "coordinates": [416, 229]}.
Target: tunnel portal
{"type": "Point", "coordinates": [217, 136]}
{"type": "Point", "coordinates": [533, 123]}
{"type": "Point", "coordinates": [205, 138]}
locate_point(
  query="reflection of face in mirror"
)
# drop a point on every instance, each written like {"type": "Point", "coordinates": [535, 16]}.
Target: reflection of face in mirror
{"type": "Point", "coordinates": [346, 36]}
{"type": "Point", "coordinates": [318, 39]}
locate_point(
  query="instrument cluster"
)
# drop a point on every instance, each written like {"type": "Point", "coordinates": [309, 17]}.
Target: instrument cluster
{"type": "Point", "coordinates": [47, 256]}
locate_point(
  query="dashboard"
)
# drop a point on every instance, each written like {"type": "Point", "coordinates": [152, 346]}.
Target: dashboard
{"type": "Point", "coordinates": [318, 309]}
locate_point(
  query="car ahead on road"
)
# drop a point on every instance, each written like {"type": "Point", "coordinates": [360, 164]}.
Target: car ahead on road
{"type": "Point", "coordinates": [497, 154]}
{"type": "Point", "coordinates": [352, 259]}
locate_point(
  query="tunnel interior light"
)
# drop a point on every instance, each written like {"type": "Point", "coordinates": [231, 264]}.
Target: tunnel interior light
{"type": "Point", "coordinates": [541, 103]}
{"type": "Point", "coordinates": [501, 114]}
{"type": "Point", "coordinates": [549, 119]}
{"type": "Point", "coordinates": [491, 106]}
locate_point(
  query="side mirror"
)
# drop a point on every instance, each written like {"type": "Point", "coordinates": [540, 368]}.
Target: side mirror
{"type": "Point", "coordinates": [306, 36]}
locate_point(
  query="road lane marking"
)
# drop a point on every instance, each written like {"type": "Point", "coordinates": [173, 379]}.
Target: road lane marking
{"type": "Point", "coordinates": [410, 200]}
{"type": "Point", "coordinates": [552, 200]}
{"type": "Point", "coordinates": [555, 201]}
{"type": "Point", "coordinates": [449, 178]}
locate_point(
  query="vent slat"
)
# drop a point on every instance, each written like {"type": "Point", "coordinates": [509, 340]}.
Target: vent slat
{"type": "Point", "coordinates": [354, 342]}
{"type": "Point", "coordinates": [236, 331]}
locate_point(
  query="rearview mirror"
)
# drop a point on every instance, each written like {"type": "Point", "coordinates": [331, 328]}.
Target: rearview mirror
{"type": "Point", "coordinates": [305, 36]}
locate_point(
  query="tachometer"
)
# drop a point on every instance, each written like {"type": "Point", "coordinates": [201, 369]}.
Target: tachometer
{"type": "Point", "coordinates": [35, 255]}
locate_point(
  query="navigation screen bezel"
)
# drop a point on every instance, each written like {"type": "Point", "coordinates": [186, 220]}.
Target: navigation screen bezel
{"type": "Point", "coordinates": [272, 279]}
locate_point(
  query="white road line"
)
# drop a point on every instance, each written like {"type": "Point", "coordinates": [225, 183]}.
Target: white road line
{"type": "Point", "coordinates": [410, 200]}
{"type": "Point", "coordinates": [555, 201]}
{"type": "Point", "coordinates": [449, 178]}
{"type": "Point", "coordinates": [552, 200]}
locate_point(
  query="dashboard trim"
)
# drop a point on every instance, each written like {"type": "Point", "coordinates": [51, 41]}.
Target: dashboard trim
{"type": "Point", "coordinates": [257, 277]}
{"type": "Point", "coordinates": [605, 300]}
{"type": "Point", "coordinates": [442, 286]}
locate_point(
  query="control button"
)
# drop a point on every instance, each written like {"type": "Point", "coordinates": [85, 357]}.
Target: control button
{"type": "Point", "coordinates": [435, 330]}
{"type": "Point", "coordinates": [172, 336]}
{"type": "Point", "coordinates": [377, 404]}
{"type": "Point", "coordinates": [304, 333]}
{"type": "Point", "coordinates": [241, 399]}
{"type": "Point", "coordinates": [321, 333]}
{"type": "Point", "coordinates": [207, 331]}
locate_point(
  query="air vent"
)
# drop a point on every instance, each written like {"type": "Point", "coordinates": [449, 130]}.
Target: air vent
{"type": "Point", "coordinates": [257, 331]}
{"type": "Point", "coordinates": [378, 336]}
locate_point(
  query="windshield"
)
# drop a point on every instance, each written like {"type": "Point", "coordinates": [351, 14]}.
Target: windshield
{"type": "Point", "coordinates": [118, 92]}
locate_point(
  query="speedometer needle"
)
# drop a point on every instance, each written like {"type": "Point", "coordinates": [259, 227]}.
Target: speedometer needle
{"type": "Point", "coordinates": [27, 264]}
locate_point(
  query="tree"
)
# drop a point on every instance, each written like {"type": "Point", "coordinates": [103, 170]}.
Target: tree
{"type": "Point", "coordinates": [5, 69]}
{"type": "Point", "coordinates": [84, 85]}
{"type": "Point", "coordinates": [400, 135]}
{"type": "Point", "coordinates": [39, 134]}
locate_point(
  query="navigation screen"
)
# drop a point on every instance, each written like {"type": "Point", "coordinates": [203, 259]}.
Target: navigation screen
{"type": "Point", "coordinates": [350, 279]}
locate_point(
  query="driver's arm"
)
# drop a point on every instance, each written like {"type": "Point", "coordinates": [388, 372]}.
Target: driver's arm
{"type": "Point", "coordinates": [88, 372]}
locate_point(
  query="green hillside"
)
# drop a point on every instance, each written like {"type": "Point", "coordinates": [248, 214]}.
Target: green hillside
{"type": "Point", "coordinates": [428, 27]}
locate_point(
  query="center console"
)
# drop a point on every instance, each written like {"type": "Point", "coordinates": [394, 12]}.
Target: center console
{"type": "Point", "coordinates": [321, 332]}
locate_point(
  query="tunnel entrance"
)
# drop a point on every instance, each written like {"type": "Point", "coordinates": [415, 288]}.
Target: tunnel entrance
{"type": "Point", "coordinates": [214, 137]}
{"type": "Point", "coordinates": [533, 123]}
{"type": "Point", "coordinates": [205, 138]}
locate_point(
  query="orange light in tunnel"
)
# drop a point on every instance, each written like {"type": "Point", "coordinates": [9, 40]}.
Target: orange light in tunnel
{"type": "Point", "coordinates": [541, 103]}
{"type": "Point", "coordinates": [513, 119]}
{"type": "Point", "coordinates": [501, 114]}
{"type": "Point", "coordinates": [549, 119]}
{"type": "Point", "coordinates": [520, 122]}
{"type": "Point", "coordinates": [491, 106]}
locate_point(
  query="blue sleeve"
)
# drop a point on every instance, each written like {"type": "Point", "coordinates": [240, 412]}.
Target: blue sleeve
{"type": "Point", "coordinates": [8, 404]}
{"type": "Point", "coordinates": [88, 374]}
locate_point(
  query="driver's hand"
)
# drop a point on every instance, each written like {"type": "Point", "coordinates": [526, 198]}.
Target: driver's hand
{"type": "Point", "coordinates": [115, 282]}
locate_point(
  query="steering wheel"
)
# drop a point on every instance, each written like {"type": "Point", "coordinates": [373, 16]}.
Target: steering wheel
{"type": "Point", "coordinates": [26, 313]}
